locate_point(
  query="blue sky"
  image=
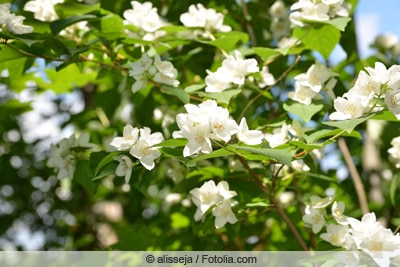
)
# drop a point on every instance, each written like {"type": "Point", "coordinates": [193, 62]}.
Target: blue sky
{"type": "Point", "coordinates": [374, 17]}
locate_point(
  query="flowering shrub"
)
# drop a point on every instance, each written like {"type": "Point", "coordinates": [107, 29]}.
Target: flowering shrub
{"type": "Point", "coordinates": [207, 126]}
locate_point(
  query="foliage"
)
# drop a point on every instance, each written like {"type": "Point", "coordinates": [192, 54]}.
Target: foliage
{"type": "Point", "coordinates": [103, 71]}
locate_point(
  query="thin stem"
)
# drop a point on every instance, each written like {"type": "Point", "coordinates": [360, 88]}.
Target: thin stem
{"type": "Point", "coordinates": [362, 198]}
{"type": "Point", "coordinates": [249, 27]}
{"type": "Point", "coordinates": [252, 173]}
{"type": "Point", "coordinates": [289, 223]}
{"type": "Point", "coordinates": [397, 230]}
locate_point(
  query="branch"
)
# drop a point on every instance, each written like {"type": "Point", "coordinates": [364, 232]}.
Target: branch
{"type": "Point", "coordinates": [362, 198]}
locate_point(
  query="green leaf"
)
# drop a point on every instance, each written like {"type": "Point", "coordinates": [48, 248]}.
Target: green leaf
{"type": "Point", "coordinates": [178, 92]}
{"type": "Point", "coordinates": [179, 221]}
{"type": "Point", "coordinates": [110, 27]}
{"type": "Point", "coordinates": [194, 87]}
{"type": "Point", "coordinates": [105, 161]}
{"type": "Point", "coordinates": [321, 38]}
{"type": "Point", "coordinates": [319, 134]}
{"type": "Point", "coordinates": [305, 112]}
{"type": "Point", "coordinates": [338, 23]}
{"type": "Point", "coordinates": [223, 97]}
{"type": "Point", "coordinates": [266, 53]}
{"type": "Point", "coordinates": [227, 41]}
{"type": "Point", "coordinates": [58, 25]}
{"type": "Point", "coordinates": [348, 125]}
{"type": "Point", "coordinates": [282, 155]}
{"type": "Point", "coordinates": [385, 115]}
{"type": "Point", "coordinates": [69, 9]}
{"type": "Point", "coordinates": [7, 53]}
{"type": "Point", "coordinates": [173, 142]}
{"type": "Point", "coordinates": [66, 79]}
{"type": "Point", "coordinates": [304, 146]}
{"type": "Point", "coordinates": [222, 152]}
{"type": "Point", "coordinates": [83, 174]}
{"type": "Point", "coordinates": [393, 188]}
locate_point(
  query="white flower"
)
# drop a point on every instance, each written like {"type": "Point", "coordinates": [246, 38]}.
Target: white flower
{"type": "Point", "coordinates": [365, 228]}
{"type": "Point", "coordinates": [278, 10]}
{"type": "Point", "coordinates": [217, 81]}
{"type": "Point", "coordinates": [202, 123]}
{"type": "Point", "coordinates": [144, 149]}
{"type": "Point", "coordinates": [302, 94]}
{"type": "Point", "coordinates": [267, 78]}
{"type": "Point", "coordinates": [249, 137]}
{"type": "Point", "coordinates": [166, 73]}
{"type": "Point", "coordinates": [218, 197]}
{"type": "Point", "coordinates": [144, 16]}
{"type": "Point", "coordinates": [336, 235]}
{"type": "Point", "coordinates": [392, 100]}
{"type": "Point", "coordinates": [394, 151]}
{"type": "Point", "coordinates": [238, 67]}
{"type": "Point", "coordinates": [317, 10]}
{"type": "Point", "coordinates": [43, 9]}
{"type": "Point", "coordinates": [223, 214]}
{"type": "Point", "coordinates": [15, 25]}
{"type": "Point", "coordinates": [205, 197]}
{"type": "Point", "coordinates": [381, 240]}
{"type": "Point", "coordinates": [315, 77]}
{"type": "Point", "coordinates": [337, 213]}
{"type": "Point", "coordinates": [347, 109]}
{"type": "Point", "coordinates": [314, 218]}
{"type": "Point", "coordinates": [209, 19]}
{"type": "Point", "coordinates": [128, 139]}
{"type": "Point", "coordinates": [279, 136]}
{"type": "Point", "coordinates": [140, 67]}
{"type": "Point", "coordinates": [12, 22]}
{"type": "Point", "coordinates": [319, 203]}
{"type": "Point", "coordinates": [124, 168]}
{"type": "Point", "coordinates": [222, 127]}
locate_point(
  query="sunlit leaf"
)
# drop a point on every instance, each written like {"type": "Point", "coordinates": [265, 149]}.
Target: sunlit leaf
{"type": "Point", "coordinates": [304, 112]}
{"type": "Point", "coordinates": [282, 155]}
{"type": "Point", "coordinates": [348, 125]}
{"type": "Point", "coordinates": [223, 97]}
{"type": "Point", "coordinates": [178, 92]}
{"type": "Point", "coordinates": [320, 38]}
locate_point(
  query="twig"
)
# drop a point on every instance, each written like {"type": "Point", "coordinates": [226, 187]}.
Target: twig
{"type": "Point", "coordinates": [249, 27]}
{"type": "Point", "coordinates": [362, 198]}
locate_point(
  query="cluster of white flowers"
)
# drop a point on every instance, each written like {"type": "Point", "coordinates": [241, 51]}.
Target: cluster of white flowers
{"type": "Point", "coordinates": [309, 85]}
{"type": "Point", "coordinates": [43, 9]}
{"type": "Point", "coordinates": [141, 144]}
{"type": "Point", "coordinates": [11, 22]}
{"type": "Point", "coordinates": [394, 151]}
{"type": "Point", "coordinates": [318, 10]}
{"type": "Point", "coordinates": [207, 18]}
{"type": "Point", "coordinates": [145, 17]}
{"type": "Point", "coordinates": [280, 24]}
{"type": "Point", "coordinates": [370, 86]}
{"type": "Point", "coordinates": [218, 198]}
{"type": "Point", "coordinates": [346, 232]}
{"type": "Point", "coordinates": [208, 121]}
{"type": "Point", "coordinates": [62, 156]}
{"type": "Point", "coordinates": [160, 71]}
{"type": "Point", "coordinates": [233, 71]}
